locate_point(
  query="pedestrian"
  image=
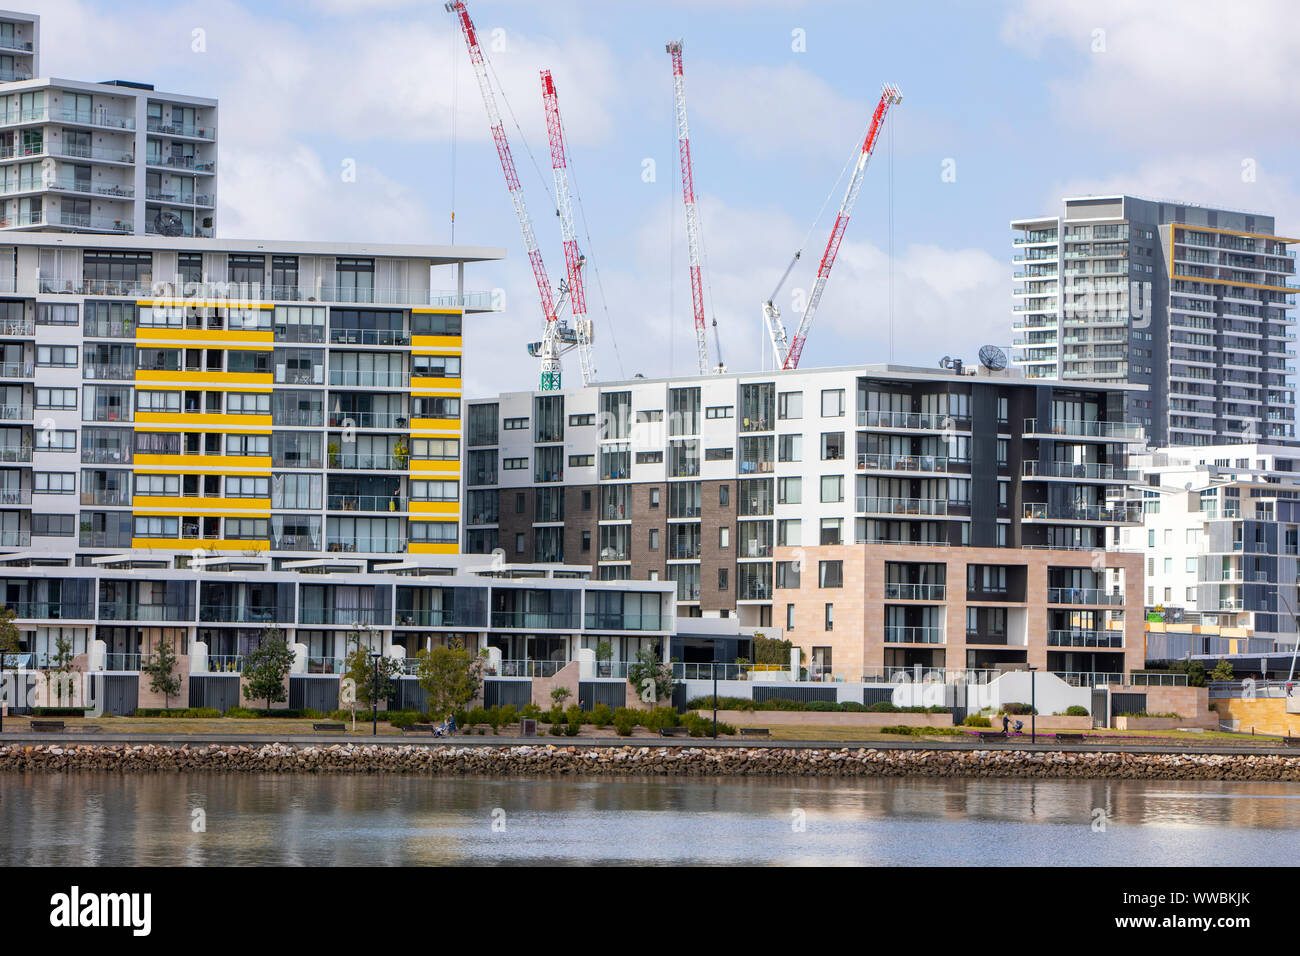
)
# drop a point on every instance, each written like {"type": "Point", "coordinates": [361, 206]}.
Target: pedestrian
{"type": "Point", "coordinates": [1006, 722]}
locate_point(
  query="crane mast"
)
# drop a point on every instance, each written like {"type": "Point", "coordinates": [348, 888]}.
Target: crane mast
{"type": "Point", "coordinates": [573, 259]}
{"type": "Point", "coordinates": [692, 217]}
{"type": "Point", "coordinates": [789, 359]}
{"type": "Point", "coordinates": [549, 350]}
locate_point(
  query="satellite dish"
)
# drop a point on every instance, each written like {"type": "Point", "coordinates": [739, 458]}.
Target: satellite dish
{"type": "Point", "coordinates": [993, 358]}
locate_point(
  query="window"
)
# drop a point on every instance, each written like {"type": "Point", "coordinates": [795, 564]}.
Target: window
{"type": "Point", "coordinates": [51, 526]}
{"type": "Point", "coordinates": [56, 356]}
{"type": "Point", "coordinates": [724, 496]}
{"type": "Point", "coordinates": [653, 543]}
{"type": "Point", "coordinates": [649, 457]}
{"type": "Point", "coordinates": [435, 490]}
{"type": "Point", "coordinates": [582, 461]}
{"type": "Point", "coordinates": [61, 398]}
{"type": "Point", "coordinates": [54, 483]}
{"type": "Point", "coordinates": [724, 537]}
{"type": "Point", "coordinates": [248, 487]}
{"type": "Point", "coordinates": [789, 491]}
{"type": "Point", "coordinates": [51, 440]}
{"type": "Point", "coordinates": [48, 313]}
{"type": "Point", "coordinates": [246, 529]}
{"type": "Point", "coordinates": [435, 366]}
{"type": "Point", "coordinates": [829, 620]}
{"type": "Point", "coordinates": [586, 541]}
{"type": "Point", "coordinates": [787, 574]}
{"type": "Point", "coordinates": [789, 616]}
{"type": "Point", "coordinates": [832, 488]}
{"type": "Point", "coordinates": [436, 449]}
{"type": "Point", "coordinates": [789, 532]}
{"type": "Point", "coordinates": [832, 531]}
{"type": "Point", "coordinates": [789, 405]}
{"type": "Point", "coordinates": [433, 532]}
{"type": "Point", "coordinates": [514, 424]}
{"type": "Point", "coordinates": [157, 527]}
{"type": "Point", "coordinates": [832, 446]}
{"type": "Point", "coordinates": [248, 446]}
{"type": "Point", "coordinates": [158, 486]}
{"type": "Point", "coordinates": [248, 403]}
{"type": "Point", "coordinates": [830, 574]}
{"type": "Point", "coordinates": [722, 579]}
{"type": "Point", "coordinates": [519, 543]}
{"type": "Point", "coordinates": [719, 454]}
{"type": "Point", "coordinates": [720, 411]}
{"type": "Point", "coordinates": [832, 403]}
{"type": "Point", "coordinates": [576, 421]}
{"type": "Point", "coordinates": [789, 448]}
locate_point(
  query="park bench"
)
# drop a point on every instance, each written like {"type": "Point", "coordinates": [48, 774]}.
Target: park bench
{"type": "Point", "coordinates": [991, 735]}
{"type": "Point", "coordinates": [47, 726]}
{"type": "Point", "coordinates": [317, 727]}
{"type": "Point", "coordinates": [1069, 738]}
{"type": "Point", "coordinates": [674, 731]}
{"type": "Point", "coordinates": [418, 729]}
{"type": "Point", "coordinates": [1291, 741]}
{"type": "Point", "coordinates": [754, 732]}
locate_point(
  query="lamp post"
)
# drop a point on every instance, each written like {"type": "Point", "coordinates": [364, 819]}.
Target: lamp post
{"type": "Point", "coordinates": [1033, 706]}
{"type": "Point", "coordinates": [374, 694]}
{"type": "Point", "coordinates": [715, 693]}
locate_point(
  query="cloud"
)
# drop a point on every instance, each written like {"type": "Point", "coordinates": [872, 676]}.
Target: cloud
{"type": "Point", "coordinates": [1190, 69]}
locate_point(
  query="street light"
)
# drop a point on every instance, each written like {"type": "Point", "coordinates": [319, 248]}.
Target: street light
{"type": "Point", "coordinates": [1033, 706]}
{"type": "Point", "coordinates": [715, 692]}
{"type": "Point", "coordinates": [374, 694]}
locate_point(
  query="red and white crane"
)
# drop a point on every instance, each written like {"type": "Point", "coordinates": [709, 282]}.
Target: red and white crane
{"type": "Point", "coordinates": [548, 350]}
{"type": "Point", "coordinates": [788, 357]}
{"type": "Point", "coordinates": [692, 216]}
{"type": "Point", "coordinates": [573, 259]}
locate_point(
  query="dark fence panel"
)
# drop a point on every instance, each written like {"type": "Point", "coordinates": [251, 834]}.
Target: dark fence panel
{"type": "Point", "coordinates": [1127, 704]}
{"type": "Point", "coordinates": [764, 691]}
{"type": "Point", "coordinates": [410, 695]}
{"type": "Point", "coordinates": [117, 694]}
{"type": "Point", "coordinates": [613, 694]}
{"type": "Point", "coordinates": [214, 690]}
{"type": "Point", "coordinates": [313, 693]}
{"type": "Point", "coordinates": [503, 693]}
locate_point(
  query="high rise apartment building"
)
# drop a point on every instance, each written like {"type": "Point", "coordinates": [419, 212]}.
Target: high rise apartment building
{"type": "Point", "coordinates": [1193, 303]}
{"type": "Point", "coordinates": [878, 516]}
{"type": "Point", "coordinates": [114, 158]}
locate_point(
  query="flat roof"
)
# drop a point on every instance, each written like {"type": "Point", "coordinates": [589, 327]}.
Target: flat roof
{"type": "Point", "coordinates": [439, 254]}
{"type": "Point", "coordinates": [91, 86]}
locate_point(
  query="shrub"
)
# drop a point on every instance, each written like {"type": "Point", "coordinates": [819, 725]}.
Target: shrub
{"type": "Point", "coordinates": [508, 715]}
{"type": "Point", "coordinates": [657, 719]}
{"type": "Point", "coordinates": [556, 730]}
{"type": "Point", "coordinates": [403, 718]}
{"type": "Point", "coordinates": [821, 706]}
{"type": "Point", "coordinates": [975, 720]}
{"type": "Point", "coordinates": [1014, 708]}
{"type": "Point", "coordinates": [531, 711]}
{"type": "Point", "coordinates": [571, 730]}
{"type": "Point", "coordinates": [852, 707]}
{"type": "Point", "coordinates": [883, 707]}
{"type": "Point", "coordinates": [624, 724]}
{"type": "Point", "coordinates": [1076, 710]}
{"type": "Point", "coordinates": [242, 712]}
{"type": "Point", "coordinates": [555, 716]}
{"type": "Point", "coordinates": [779, 703]}
{"type": "Point", "coordinates": [575, 715]}
{"type": "Point", "coordinates": [601, 715]}
{"type": "Point", "coordinates": [724, 703]}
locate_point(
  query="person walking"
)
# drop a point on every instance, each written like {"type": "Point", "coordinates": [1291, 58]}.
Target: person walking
{"type": "Point", "coordinates": [1006, 722]}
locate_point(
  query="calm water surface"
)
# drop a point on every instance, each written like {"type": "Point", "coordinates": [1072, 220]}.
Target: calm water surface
{"type": "Point", "coordinates": [109, 819]}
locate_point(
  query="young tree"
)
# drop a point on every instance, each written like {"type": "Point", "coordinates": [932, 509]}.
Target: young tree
{"type": "Point", "coordinates": [163, 678]}
{"type": "Point", "coordinates": [449, 676]}
{"type": "Point", "coordinates": [559, 695]}
{"type": "Point", "coordinates": [8, 650]}
{"type": "Point", "coordinates": [266, 666]}
{"type": "Point", "coordinates": [1222, 671]}
{"type": "Point", "coordinates": [361, 668]}
{"type": "Point", "coordinates": [652, 678]}
{"type": "Point", "coordinates": [604, 652]}
{"type": "Point", "coordinates": [60, 670]}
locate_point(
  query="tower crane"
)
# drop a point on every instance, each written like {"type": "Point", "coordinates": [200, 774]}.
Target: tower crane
{"type": "Point", "coordinates": [573, 259]}
{"type": "Point", "coordinates": [548, 350]}
{"type": "Point", "coordinates": [692, 218]}
{"type": "Point", "coordinates": [787, 356]}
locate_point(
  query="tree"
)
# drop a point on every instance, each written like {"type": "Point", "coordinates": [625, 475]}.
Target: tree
{"type": "Point", "coordinates": [1194, 670]}
{"type": "Point", "coordinates": [449, 676]}
{"type": "Point", "coordinates": [652, 678]}
{"type": "Point", "coordinates": [60, 670]}
{"type": "Point", "coordinates": [266, 666]}
{"type": "Point", "coordinates": [604, 651]}
{"type": "Point", "coordinates": [163, 678]}
{"type": "Point", "coordinates": [1222, 671]}
{"type": "Point", "coordinates": [8, 647]}
{"type": "Point", "coordinates": [772, 650]}
{"type": "Point", "coordinates": [559, 695]}
{"type": "Point", "coordinates": [361, 668]}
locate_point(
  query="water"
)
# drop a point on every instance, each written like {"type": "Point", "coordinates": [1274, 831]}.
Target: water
{"type": "Point", "coordinates": [88, 819]}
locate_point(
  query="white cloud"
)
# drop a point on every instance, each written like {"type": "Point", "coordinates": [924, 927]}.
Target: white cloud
{"type": "Point", "coordinates": [1198, 71]}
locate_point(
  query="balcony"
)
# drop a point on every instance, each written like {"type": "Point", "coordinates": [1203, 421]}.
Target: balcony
{"type": "Point", "coordinates": [347, 419]}
{"type": "Point", "coordinates": [1085, 638]}
{"type": "Point", "coordinates": [94, 117]}
{"type": "Point", "coordinates": [15, 413]}
{"type": "Point", "coordinates": [17, 369]}
{"type": "Point", "coordinates": [144, 612]}
{"type": "Point", "coordinates": [368, 462]}
{"type": "Point", "coordinates": [347, 616]}
{"type": "Point", "coordinates": [392, 503]}
{"type": "Point", "coordinates": [95, 223]}
{"type": "Point", "coordinates": [1117, 431]}
{"type": "Point", "coordinates": [15, 496]}
{"type": "Point", "coordinates": [1123, 514]}
{"type": "Point", "coordinates": [902, 506]}
{"type": "Point", "coordinates": [550, 620]}
{"type": "Point", "coordinates": [884, 461]}
{"type": "Point", "coordinates": [365, 545]}
{"type": "Point", "coordinates": [369, 337]}
{"type": "Point", "coordinates": [920, 421]}
{"type": "Point", "coordinates": [1084, 471]}
{"type": "Point", "coordinates": [238, 614]}
{"type": "Point", "coordinates": [1084, 596]}
{"type": "Point", "coordinates": [369, 379]}
{"type": "Point", "coordinates": [439, 617]}
{"type": "Point", "coordinates": [915, 592]}
{"type": "Point", "coordinates": [51, 610]}
{"type": "Point", "coordinates": [914, 635]}
{"type": "Point", "coordinates": [189, 130]}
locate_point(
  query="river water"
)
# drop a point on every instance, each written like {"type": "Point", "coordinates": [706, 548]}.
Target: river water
{"type": "Point", "coordinates": [88, 819]}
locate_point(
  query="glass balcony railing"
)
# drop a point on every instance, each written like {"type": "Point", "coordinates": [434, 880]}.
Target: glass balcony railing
{"type": "Point", "coordinates": [915, 592]}
{"type": "Point", "coordinates": [914, 635]}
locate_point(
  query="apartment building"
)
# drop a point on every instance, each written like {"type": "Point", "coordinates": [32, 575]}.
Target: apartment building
{"type": "Point", "coordinates": [529, 622]}
{"type": "Point", "coordinates": [196, 397]}
{"type": "Point", "coordinates": [878, 516]}
{"type": "Point", "coordinates": [1221, 534]}
{"type": "Point", "coordinates": [115, 157]}
{"type": "Point", "coordinates": [1191, 302]}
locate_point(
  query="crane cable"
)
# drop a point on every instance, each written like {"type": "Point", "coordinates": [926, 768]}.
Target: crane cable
{"type": "Point", "coordinates": [455, 41]}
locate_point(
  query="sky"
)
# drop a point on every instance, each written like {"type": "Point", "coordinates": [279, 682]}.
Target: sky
{"type": "Point", "coordinates": [361, 120]}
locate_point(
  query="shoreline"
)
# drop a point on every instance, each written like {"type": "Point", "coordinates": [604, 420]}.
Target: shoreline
{"type": "Point", "coordinates": [795, 758]}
